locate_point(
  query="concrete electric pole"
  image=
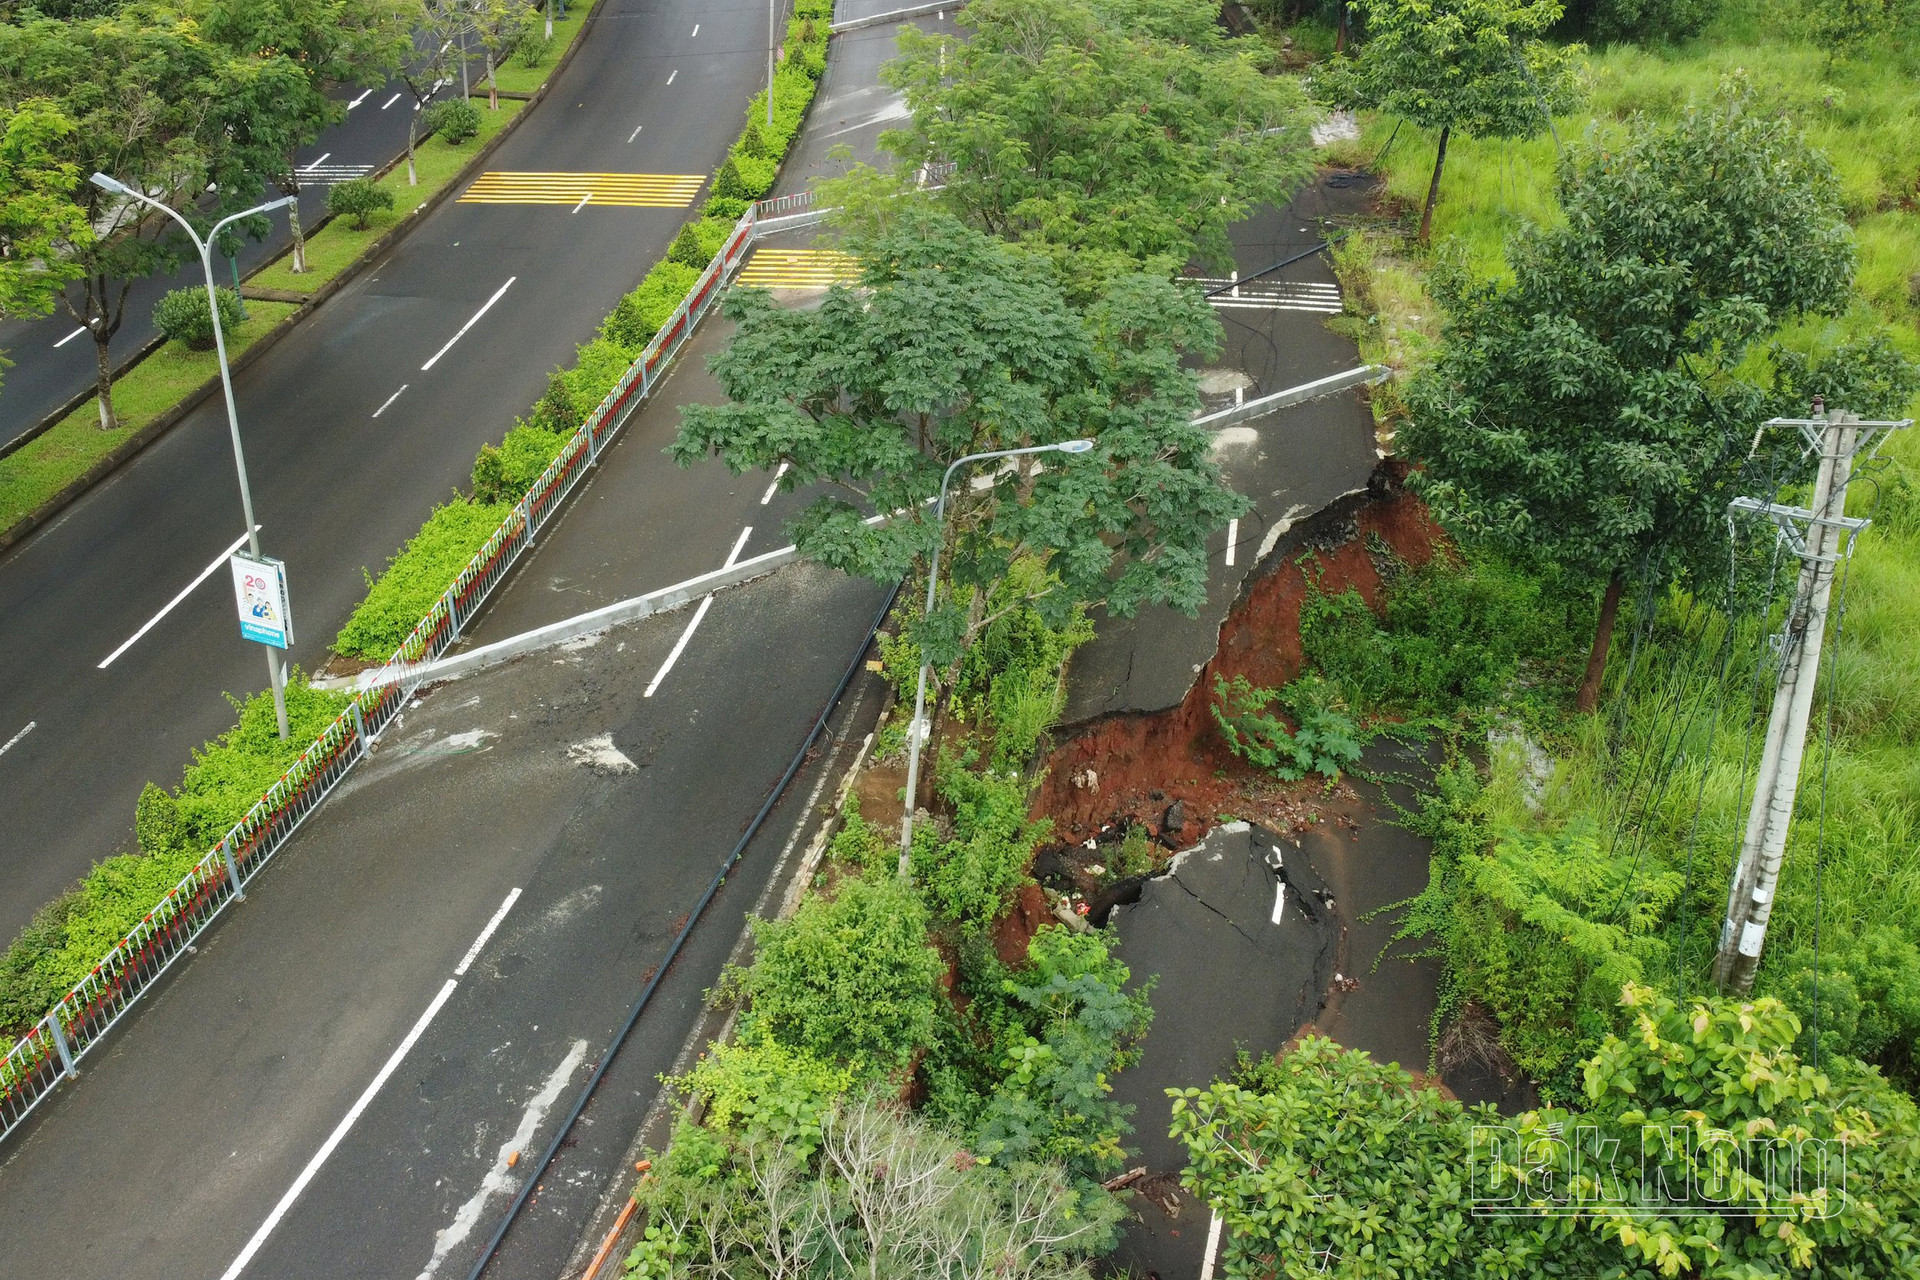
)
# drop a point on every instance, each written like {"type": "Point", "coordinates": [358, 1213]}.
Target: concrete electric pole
{"type": "Point", "coordinates": [1820, 535]}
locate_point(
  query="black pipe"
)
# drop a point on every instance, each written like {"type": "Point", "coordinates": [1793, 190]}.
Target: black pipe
{"type": "Point", "coordinates": [660, 971]}
{"type": "Point", "coordinates": [1287, 262]}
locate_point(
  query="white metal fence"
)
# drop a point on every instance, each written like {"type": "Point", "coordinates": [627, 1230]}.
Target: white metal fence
{"type": "Point", "coordinates": [49, 1051]}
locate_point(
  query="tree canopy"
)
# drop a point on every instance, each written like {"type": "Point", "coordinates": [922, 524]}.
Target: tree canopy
{"type": "Point", "coordinates": [1117, 131]}
{"type": "Point", "coordinates": [37, 220]}
{"type": "Point", "coordinates": [955, 343]}
{"type": "Point", "coordinates": [1593, 413]}
{"type": "Point", "coordinates": [1473, 65]}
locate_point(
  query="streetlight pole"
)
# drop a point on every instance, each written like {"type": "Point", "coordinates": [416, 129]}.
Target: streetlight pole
{"type": "Point", "coordinates": [274, 669]}
{"type": "Point", "coordinates": [770, 25]}
{"type": "Point", "coordinates": [916, 730]}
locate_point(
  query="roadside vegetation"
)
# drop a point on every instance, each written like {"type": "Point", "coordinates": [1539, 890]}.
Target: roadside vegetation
{"type": "Point", "coordinates": [1583, 364]}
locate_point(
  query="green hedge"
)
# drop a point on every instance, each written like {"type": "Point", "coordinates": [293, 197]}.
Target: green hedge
{"type": "Point", "coordinates": [503, 473]}
{"type": "Point", "coordinates": [227, 777]}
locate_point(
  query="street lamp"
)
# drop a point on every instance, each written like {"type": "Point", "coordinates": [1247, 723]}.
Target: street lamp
{"type": "Point", "coordinates": [116, 187]}
{"type": "Point", "coordinates": [915, 729]}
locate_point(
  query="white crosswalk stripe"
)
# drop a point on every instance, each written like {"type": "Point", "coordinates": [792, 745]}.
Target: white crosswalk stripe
{"type": "Point", "coordinates": [1275, 295]}
{"type": "Point", "coordinates": [334, 172]}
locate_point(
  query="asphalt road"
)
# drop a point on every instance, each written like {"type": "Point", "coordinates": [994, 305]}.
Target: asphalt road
{"type": "Point", "coordinates": [335, 488]}
{"type": "Point", "coordinates": [53, 358]}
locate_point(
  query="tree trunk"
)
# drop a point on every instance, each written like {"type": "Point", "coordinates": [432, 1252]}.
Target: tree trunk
{"type": "Point", "coordinates": [103, 378]}
{"type": "Point", "coordinates": [1433, 188]}
{"type": "Point", "coordinates": [493, 88]}
{"type": "Point", "coordinates": [1589, 697]}
{"type": "Point", "coordinates": [299, 237]}
{"type": "Point", "coordinates": [1340, 32]}
{"type": "Point", "coordinates": [549, 19]}
{"type": "Point", "coordinates": [413, 176]}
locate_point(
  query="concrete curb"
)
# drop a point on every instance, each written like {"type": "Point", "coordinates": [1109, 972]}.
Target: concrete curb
{"type": "Point", "coordinates": [112, 460]}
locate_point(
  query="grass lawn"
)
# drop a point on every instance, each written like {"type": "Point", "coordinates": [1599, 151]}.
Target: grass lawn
{"type": "Point", "coordinates": [517, 77]}
{"type": "Point", "coordinates": [53, 461]}
{"type": "Point", "coordinates": [337, 244]}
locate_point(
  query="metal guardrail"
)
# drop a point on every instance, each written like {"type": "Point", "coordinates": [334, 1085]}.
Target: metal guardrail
{"type": "Point", "coordinates": [52, 1049]}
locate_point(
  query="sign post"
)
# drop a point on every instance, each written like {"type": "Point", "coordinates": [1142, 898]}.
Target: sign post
{"type": "Point", "coordinates": [266, 616]}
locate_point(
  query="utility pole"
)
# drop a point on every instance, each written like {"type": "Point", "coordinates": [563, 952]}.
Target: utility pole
{"type": "Point", "coordinates": [1820, 535]}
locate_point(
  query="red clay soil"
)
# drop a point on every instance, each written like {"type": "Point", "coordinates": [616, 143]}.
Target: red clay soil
{"type": "Point", "coordinates": [1143, 762]}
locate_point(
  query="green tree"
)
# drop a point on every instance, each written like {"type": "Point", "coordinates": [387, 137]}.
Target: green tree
{"type": "Point", "coordinates": [1473, 65]}
{"type": "Point", "coordinates": [38, 222]}
{"type": "Point", "coordinates": [955, 343]}
{"type": "Point", "coordinates": [150, 101]}
{"type": "Point", "coordinates": [1119, 131]}
{"type": "Point", "coordinates": [440, 28]}
{"type": "Point", "coordinates": [1846, 27]}
{"type": "Point", "coordinates": [328, 43]}
{"type": "Point", "coordinates": [501, 26]}
{"type": "Point", "coordinates": [846, 979]}
{"type": "Point", "coordinates": [1589, 415]}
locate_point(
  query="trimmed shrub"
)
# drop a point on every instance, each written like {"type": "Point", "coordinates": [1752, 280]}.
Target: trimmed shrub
{"type": "Point", "coordinates": [642, 313]}
{"type": "Point", "coordinates": [725, 208]}
{"type": "Point", "coordinates": [533, 47]}
{"type": "Point", "coordinates": [416, 576]}
{"type": "Point", "coordinates": [182, 316]}
{"type": "Point", "coordinates": [454, 120]}
{"type": "Point", "coordinates": [503, 473]}
{"type": "Point", "coordinates": [358, 199]}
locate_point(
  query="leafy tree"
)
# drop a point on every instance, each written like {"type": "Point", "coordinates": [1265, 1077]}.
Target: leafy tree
{"type": "Point", "coordinates": [1846, 27]}
{"type": "Point", "coordinates": [150, 101]}
{"type": "Point", "coordinates": [1329, 1163]}
{"type": "Point", "coordinates": [501, 25]}
{"type": "Point", "coordinates": [847, 979]}
{"type": "Point", "coordinates": [37, 220]}
{"type": "Point", "coordinates": [1588, 415]}
{"type": "Point", "coordinates": [1473, 65]}
{"type": "Point", "coordinates": [439, 26]}
{"type": "Point", "coordinates": [328, 42]}
{"type": "Point", "coordinates": [954, 343]}
{"type": "Point", "coordinates": [1641, 19]}
{"type": "Point", "coordinates": [1117, 131]}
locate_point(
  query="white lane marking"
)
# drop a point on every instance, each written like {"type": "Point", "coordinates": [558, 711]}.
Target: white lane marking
{"type": "Point", "coordinates": [16, 737]}
{"type": "Point", "coordinates": [1233, 536]}
{"type": "Point", "coordinates": [340, 1132]}
{"type": "Point", "coordinates": [403, 386]}
{"type": "Point", "coordinates": [636, 132]}
{"type": "Point", "coordinates": [1279, 901]}
{"type": "Point", "coordinates": [680, 645]}
{"type": "Point", "coordinates": [469, 324]}
{"type": "Point", "coordinates": [357, 101]}
{"type": "Point", "coordinates": [671, 74]}
{"type": "Point", "coordinates": [583, 202]}
{"type": "Point", "coordinates": [696, 30]}
{"type": "Point", "coordinates": [185, 591]}
{"type": "Point", "coordinates": [389, 102]}
{"type": "Point", "coordinates": [1213, 1247]}
{"type": "Point", "coordinates": [316, 163]}
{"type": "Point", "coordinates": [473, 952]}
{"type": "Point", "coordinates": [773, 488]}
{"type": "Point", "coordinates": [498, 1179]}
{"type": "Point", "coordinates": [70, 337]}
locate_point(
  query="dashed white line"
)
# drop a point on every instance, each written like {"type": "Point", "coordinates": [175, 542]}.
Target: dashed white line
{"type": "Point", "coordinates": [773, 488]}
{"type": "Point", "coordinates": [671, 74]}
{"type": "Point", "coordinates": [583, 202]}
{"type": "Point", "coordinates": [396, 395]}
{"type": "Point", "coordinates": [1213, 1247]}
{"type": "Point", "coordinates": [469, 324]}
{"type": "Point", "coordinates": [1233, 536]}
{"type": "Point", "coordinates": [696, 30]}
{"type": "Point", "coordinates": [473, 952]}
{"type": "Point", "coordinates": [70, 337]}
{"type": "Point", "coordinates": [335, 1138]}
{"type": "Point", "coordinates": [316, 163]}
{"type": "Point", "coordinates": [357, 101]}
{"type": "Point", "coordinates": [636, 132]}
{"type": "Point", "coordinates": [185, 591]}
{"type": "Point", "coordinates": [389, 102]}
{"type": "Point", "coordinates": [16, 737]}
{"type": "Point", "coordinates": [680, 645]}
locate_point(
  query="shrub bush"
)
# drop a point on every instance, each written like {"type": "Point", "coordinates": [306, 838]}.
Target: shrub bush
{"type": "Point", "coordinates": [641, 313]}
{"type": "Point", "coordinates": [969, 878]}
{"type": "Point", "coordinates": [182, 316]}
{"type": "Point", "coordinates": [416, 576]}
{"type": "Point", "coordinates": [724, 208]}
{"type": "Point", "coordinates": [847, 980]}
{"type": "Point", "coordinates": [1325, 738]}
{"type": "Point", "coordinates": [358, 199]}
{"type": "Point", "coordinates": [533, 48]}
{"type": "Point", "coordinates": [453, 120]}
{"type": "Point", "coordinates": [503, 473]}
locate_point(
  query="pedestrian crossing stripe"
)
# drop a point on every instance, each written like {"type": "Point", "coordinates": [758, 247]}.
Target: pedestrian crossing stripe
{"type": "Point", "coordinates": [333, 172]}
{"type": "Point", "coordinates": [798, 268]}
{"type": "Point", "coordinates": [626, 190]}
{"type": "Point", "coordinates": [1275, 295]}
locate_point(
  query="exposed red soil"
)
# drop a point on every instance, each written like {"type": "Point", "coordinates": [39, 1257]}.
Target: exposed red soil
{"type": "Point", "coordinates": [1144, 762]}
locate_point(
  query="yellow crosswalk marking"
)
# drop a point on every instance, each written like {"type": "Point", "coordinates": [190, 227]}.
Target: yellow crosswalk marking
{"type": "Point", "coordinates": [798, 268]}
{"type": "Point", "coordinates": [628, 190]}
